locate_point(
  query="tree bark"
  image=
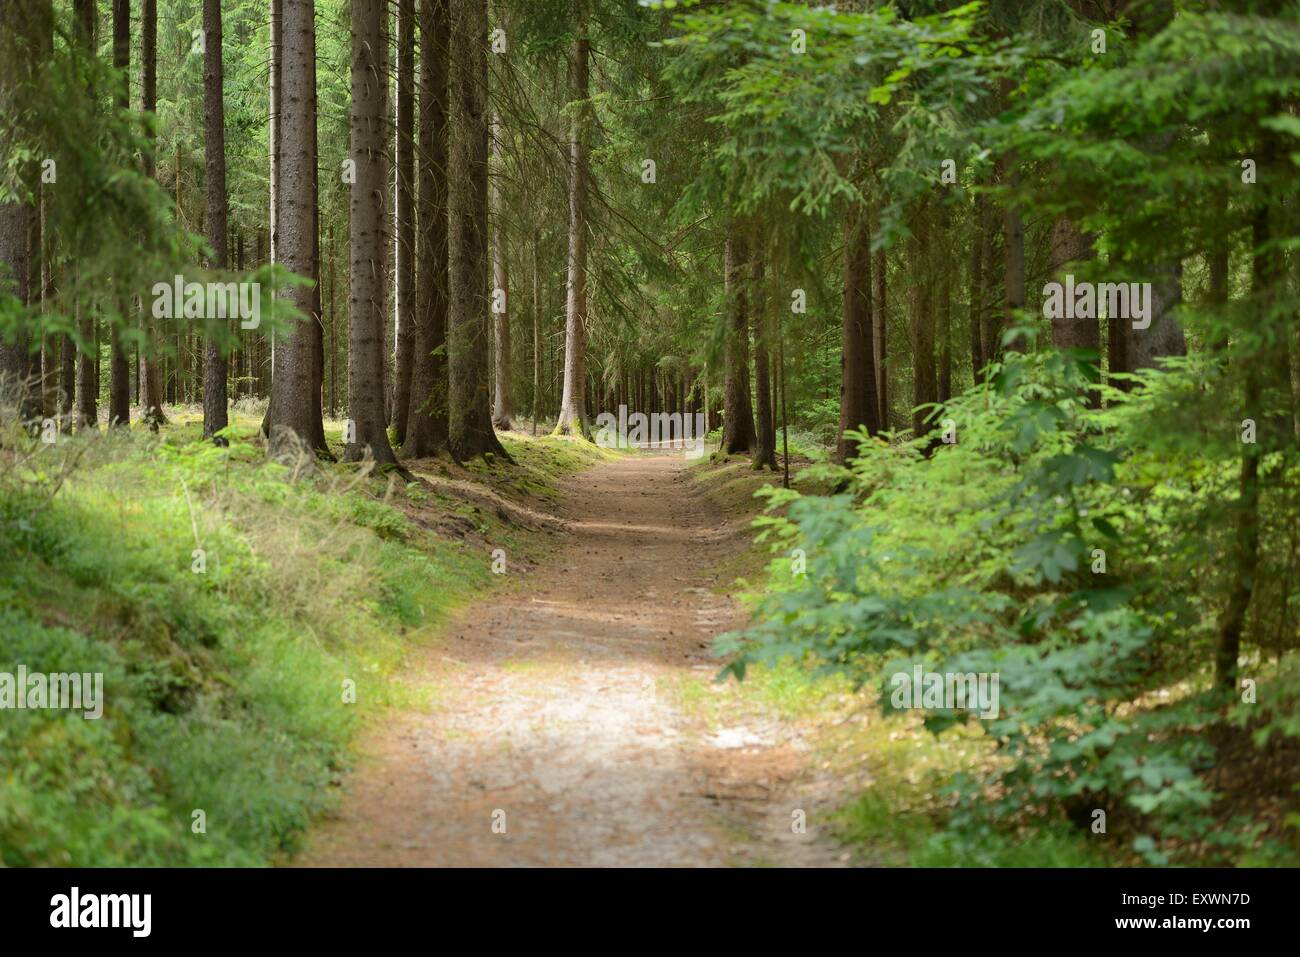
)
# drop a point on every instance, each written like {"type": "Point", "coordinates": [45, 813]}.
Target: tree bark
{"type": "Point", "coordinates": [979, 358]}
{"type": "Point", "coordinates": [536, 410]}
{"type": "Point", "coordinates": [289, 421]}
{"type": "Point", "coordinates": [1013, 238]}
{"type": "Point", "coordinates": [573, 406]}
{"type": "Point", "coordinates": [921, 322]}
{"type": "Point", "coordinates": [427, 421]}
{"type": "Point", "coordinates": [737, 412]}
{"type": "Point", "coordinates": [470, 416]}
{"type": "Point", "coordinates": [18, 391]}
{"type": "Point", "coordinates": [119, 369]}
{"type": "Point", "coordinates": [1072, 245]}
{"type": "Point", "coordinates": [765, 440]}
{"type": "Point", "coordinates": [150, 371]}
{"type": "Point", "coordinates": [947, 267]}
{"type": "Point", "coordinates": [1164, 337]}
{"type": "Point", "coordinates": [366, 326]}
{"type": "Point", "coordinates": [502, 408]}
{"type": "Point", "coordinates": [404, 210]}
{"type": "Point", "coordinates": [87, 387]}
{"type": "Point", "coordinates": [879, 331]}
{"type": "Point", "coordinates": [215, 398]}
{"type": "Point", "coordinates": [859, 403]}
{"type": "Point", "coordinates": [1267, 274]}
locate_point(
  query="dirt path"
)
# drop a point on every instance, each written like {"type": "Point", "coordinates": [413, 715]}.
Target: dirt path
{"type": "Point", "coordinates": [556, 734]}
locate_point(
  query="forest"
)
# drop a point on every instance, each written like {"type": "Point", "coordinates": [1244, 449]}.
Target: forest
{"type": "Point", "coordinates": [483, 432]}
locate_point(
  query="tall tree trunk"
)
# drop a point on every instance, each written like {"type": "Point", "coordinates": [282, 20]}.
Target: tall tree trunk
{"type": "Point", "coordinates": [879, 335]}
{"type": "Point", "coordinates": [470, 415]}
{"type": "Point", "coordinates": [18, 273]}
{"type": "Point", "coordinates": [87, 390]}
{"type": "Point", "coordinates": [1267, 271]}
{"type": "Point", "coordinates": [334, 328]}
{"type": "Point", "coordinates": [922, 322]}
{"type": "Point", "coordinates": [536, 410]}
{"type": "Point", "coordinates": [1013, 237]}
{"type": "Point", "coordinates": [992, 322]}
{"type": "Point", "coordinates": [427, 422]}
{"type": "Point", "coordinates": [404, 211]}
{"type": "Point", "coordinates": [738, 414]}
{"type": "Point", "coordinates": [150, 372]}
{"type": "Point", "coordinates": [427, 419]}
{"type": "Point", "coordinates": [1164, 337]}
{"type": "Point", "coordinates": [502, 408]}
{"type": "Point", "coordinates": [1072, 245]}
{"type": "Point", "coordinates": [765, 451]}
{"type": "Point", "coordinates": [316, 324]}
{"type": "Point", "coordinates": [573, 407]}
{"type": "Point", "coordinates": [366, 327]}
{"type": "Point", "coordinates": [859, 403]}
{"type": "Point", "coordinates": [215, 399]}
{"type": "Point", "coordinates": [979, 358]}
{"type": "Point", "coordinates": [289, 419]}
{"type": "Point", "coordinates": [947, 267]}
{"type": "Point", "coordinates": [119, 370]}
{"type": "Point", "coordinates": [274, 135]}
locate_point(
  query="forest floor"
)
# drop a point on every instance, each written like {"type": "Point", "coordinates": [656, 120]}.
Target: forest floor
{"type": "Point", "coordinates": [573, 718]}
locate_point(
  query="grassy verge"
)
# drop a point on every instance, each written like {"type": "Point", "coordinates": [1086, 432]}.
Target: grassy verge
{"type": "Point", "coordinates": [245, 625]}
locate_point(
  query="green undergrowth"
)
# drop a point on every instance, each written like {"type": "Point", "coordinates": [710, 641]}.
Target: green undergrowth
{"type": "Point", "coordinates": [246, 625]}
{"type": "Point", "coordinates": [898, 810]}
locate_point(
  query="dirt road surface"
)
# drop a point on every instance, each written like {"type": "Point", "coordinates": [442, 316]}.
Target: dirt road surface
{"type": "Point", "coordinates": [555, 733]}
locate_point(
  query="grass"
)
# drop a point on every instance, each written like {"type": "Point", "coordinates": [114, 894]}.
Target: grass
{"type": "Point", "coordinates": [246, 626]}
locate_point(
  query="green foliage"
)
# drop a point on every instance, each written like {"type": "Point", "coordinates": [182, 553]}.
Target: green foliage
{"type": "Point", "coordinates": [983, 556]}
{"type": "Point", "coordinates": [223, 689]}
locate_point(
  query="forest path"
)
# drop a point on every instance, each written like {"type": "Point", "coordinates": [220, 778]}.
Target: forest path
{"type": "Point", "coordinates": [556, 711]}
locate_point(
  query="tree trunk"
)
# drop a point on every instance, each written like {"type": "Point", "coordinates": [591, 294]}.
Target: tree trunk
{"type": "Point", "coordinates": [1267, 275]}
{"type": "Point", "coordinates": [921, 322]}
{"type": "Point", "coordinates": [978, 293]}
{"type": "Point", "coordinates": [1013, 237]}
{"type": "Point", "coordinates": [426, 427]}
{"type": "Point", "coordinates": [765, 451]}
{"type": "Point", "coordinates": [502, 408]}
{"type": "Point", "coordinates": [573, 406]}
{"type": "Point", "coordinates": [18, 275]}
{"type": "Point", "coordinates": [87, 389]}
{"type": "Point", "coordinates": [404, 211]}
{"type": "Point", "coordinates": [537, 349]}
{"type": "Point", "coordinates": [1071, 245]}
{"type": "Point", "coordinates": [879, 323]}
{"type": "Point", "coordinates": [334, 328]}
{"type": "Point", "coordinates": [215, 399]}
{"type": "Point", "coordinates": [859, 403]}
{"type": "Point", "coordinates": [1164, 337]}
{"type": "Point", "coordinates": [150, 372]}
{"type": "Point", "coordinates": [275, 71]}
{"type": "Point", "coordinates": [947, 266]}
{"type": "Point", "coordinates": [289, 420]}
{"type": "Point", "coordinates": [737, 412]}
{"type": "Point", "coordinates": [316, 322]}
{"type": "Point", "coordinates": [119, 370]}
{"type": "Point", "coordinates": [470, 416]}
{"type": "Point", "coordinates": [366, 325]}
